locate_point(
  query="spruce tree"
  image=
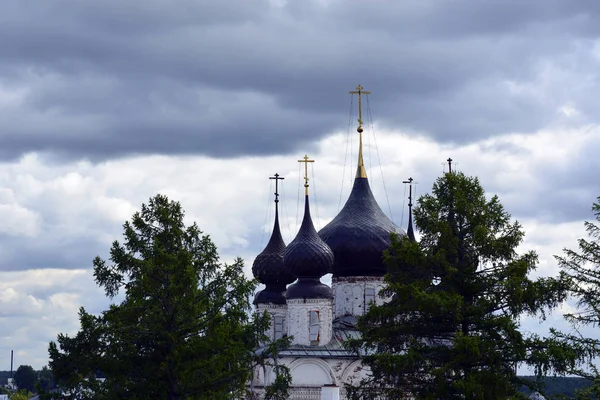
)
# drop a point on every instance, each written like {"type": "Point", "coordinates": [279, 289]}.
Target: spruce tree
{"type": "Point", "coordinates": [184, 329]}
{"type": "Point", "coordinates": [451, 327]}
{"type": "Point", "coordinates": [582, 266]}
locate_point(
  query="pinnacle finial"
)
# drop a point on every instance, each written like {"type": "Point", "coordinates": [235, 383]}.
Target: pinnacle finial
{"type": "Point", "coordinates": [410, 231]}
{"type": "Point", "coordinates": [305, 160]}
{"type": "Point", "coordinates": [360, 171]}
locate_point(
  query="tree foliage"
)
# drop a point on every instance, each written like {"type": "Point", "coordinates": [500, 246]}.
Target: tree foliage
{"type": "Point", "coordinates": [451, 328]}
{"type": "Point", "coordinates": [20, 395]}
{"type": "Point", "coordinates": [46, 379]}
{"type": "Point", "coordinates": [184, 329]}
{"type": "Point", "coordinates": [582, 266]}
{"type": "Point", "coordinates": [25, 378]}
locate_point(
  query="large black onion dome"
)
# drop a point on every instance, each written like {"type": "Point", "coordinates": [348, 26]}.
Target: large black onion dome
{"type": "Point", "coordinates": [308, 258]}
{"type": "Point", "coordinates": [359, 234]}
{"type": "Point", "coordinates": [268, 269]}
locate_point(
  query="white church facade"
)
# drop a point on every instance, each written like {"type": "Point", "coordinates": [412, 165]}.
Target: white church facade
{"type": "Point", "coordinates": [319, 317]}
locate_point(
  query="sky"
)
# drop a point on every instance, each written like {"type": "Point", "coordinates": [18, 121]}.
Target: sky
{"type": "Point", "coordinates": [104, 104]}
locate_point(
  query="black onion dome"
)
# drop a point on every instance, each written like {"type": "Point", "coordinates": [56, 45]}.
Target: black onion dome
{"type": "Point", "coordinates": [268, 269]}
{"type": "Point", "coordinates": [359, 234]}
{"type": "Point", "coordinates": [308, 258]}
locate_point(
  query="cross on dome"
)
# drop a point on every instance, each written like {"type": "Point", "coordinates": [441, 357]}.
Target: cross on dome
{"type": "Point", "coordinates": [360, 170]}
{"type": "Point", "coordinates": [277, 179]}
{"type": "Point", "coordinates": [305, 160]}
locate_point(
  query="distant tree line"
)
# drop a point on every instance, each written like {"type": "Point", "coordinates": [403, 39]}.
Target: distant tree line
{"type": "Point", "coordinates": [29, 380]}
{"type": "Point", "coordinates": [560, 387]}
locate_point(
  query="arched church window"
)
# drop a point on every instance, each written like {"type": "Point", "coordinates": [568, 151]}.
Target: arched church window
{"type": "Point", "coordinates": [314, 327]}
{"type": "Point", "coordinates": [369, 297]}
{"type": "Point", "coordinates": [278, 324]}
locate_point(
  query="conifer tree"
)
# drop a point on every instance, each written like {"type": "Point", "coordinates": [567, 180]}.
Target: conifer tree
{"type": "Point", "coordinates": [184, 329]}
{"type": "Point", "coordinates": [451, 327]}
{"type": "Point", "coordinates": [582, 266]}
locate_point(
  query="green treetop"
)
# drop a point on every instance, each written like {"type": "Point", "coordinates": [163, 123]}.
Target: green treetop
{"type": "Point", "coordinates": [451, 327]}
{"type": "Point", "coordinates": [184, 329]}
{"type": "Point", "coordinates": [26, 378]}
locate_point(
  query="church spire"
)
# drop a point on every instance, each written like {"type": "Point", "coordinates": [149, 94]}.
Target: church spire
{"type": "Point", "coordinates": [360, 169]}
{"type": "Point", "coordinates": [410, 232]}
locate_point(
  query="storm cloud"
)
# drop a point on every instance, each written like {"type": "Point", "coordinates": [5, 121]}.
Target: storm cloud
{"type": "Point", "coordinates": [231, 78]}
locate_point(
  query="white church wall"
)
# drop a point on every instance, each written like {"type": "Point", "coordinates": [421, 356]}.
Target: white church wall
{"type": "Point", "coordinates": [354, 373]}
{"type": "Point", "coordinates": [299, 320]}
{"type": "Point", "coordinates": [311, 374]}
{"type": "Point", "coordinates": [274, 310]}
{"type": "Point", "coordinates": [352, 294]}
{"type": "Point", "coordinates": [330, 393]}
{"type": "Point", "coordinates": [259, 377]}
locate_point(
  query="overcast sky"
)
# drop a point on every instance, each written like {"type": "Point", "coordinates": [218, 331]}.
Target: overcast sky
{"type": "Point", "coordinates": [103, 104]}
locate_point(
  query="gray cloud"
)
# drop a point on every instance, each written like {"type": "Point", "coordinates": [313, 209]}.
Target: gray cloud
{"type": "Point", "coordinates": [231, 78]}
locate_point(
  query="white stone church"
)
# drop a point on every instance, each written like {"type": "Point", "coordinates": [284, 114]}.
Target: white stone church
{"type": "Point", "coordinates": [319, 317]}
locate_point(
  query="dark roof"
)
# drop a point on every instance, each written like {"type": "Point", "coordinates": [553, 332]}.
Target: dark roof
{"type": "Point", "coordinates": [308, 258]}
{"type": "Point", "coordinates": [308, 288]}
{"type": "Point", "coordinates": [359, 234]}
{"type": "Point", "coordinates": [268, 268]}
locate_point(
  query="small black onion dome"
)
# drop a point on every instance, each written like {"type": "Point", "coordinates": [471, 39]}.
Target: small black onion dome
{"type": "Point", "coordinates": [271, 294]}
{"type": "Point", "coordinates": [308, 258]}
{"type": "Point", "coordinates": [359, 234]}
{"type": "Point", "coordinates": [268, 269]}
{"type": "Point", "coordinates": [309, 288]}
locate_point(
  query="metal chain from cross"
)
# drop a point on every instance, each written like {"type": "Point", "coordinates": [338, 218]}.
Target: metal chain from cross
{"type": "Point", "coordinates": [450, 163]}
{"type": "Point", "coordinates": [277, 179]}
{"type": "Point", "coordinates": [410, 182]}
{"type": "Point", "coordinates": [305, 160]}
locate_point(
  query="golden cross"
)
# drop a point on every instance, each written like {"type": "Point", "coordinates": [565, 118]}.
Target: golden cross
{"type": "Point", "coordinates": [359, 91]}
{"type": "Point", "coordinates": [360, 169]}
{"type": "Point", "coordinates": [305, 160]}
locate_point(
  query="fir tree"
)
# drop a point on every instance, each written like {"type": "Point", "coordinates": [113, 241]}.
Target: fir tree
{"type": "Point", "coordinates": [451, 327]}
{"type": "Point", "coordinates": [184, 329]}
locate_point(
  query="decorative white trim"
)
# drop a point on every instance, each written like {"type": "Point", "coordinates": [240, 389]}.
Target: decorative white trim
{"type": "Point", "coordinates": [354, 372]}
{"type": "Point", "coordinates": [317, 362]}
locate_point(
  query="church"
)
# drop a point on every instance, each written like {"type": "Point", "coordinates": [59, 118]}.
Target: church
{"type": "Point", "coordinates": [319, 317]}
